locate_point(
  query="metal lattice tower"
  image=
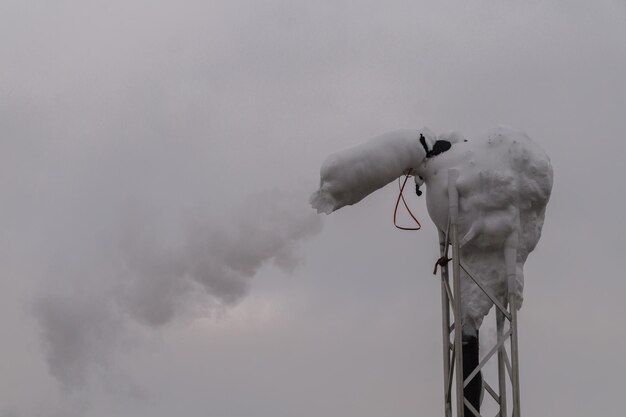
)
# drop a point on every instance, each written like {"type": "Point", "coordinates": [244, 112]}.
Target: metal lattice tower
{"type": "Point", "coordinates": [506, 325]}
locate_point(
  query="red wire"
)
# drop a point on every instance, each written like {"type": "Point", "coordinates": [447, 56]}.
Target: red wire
{"type": "Point", "coordinates": [395, 211]}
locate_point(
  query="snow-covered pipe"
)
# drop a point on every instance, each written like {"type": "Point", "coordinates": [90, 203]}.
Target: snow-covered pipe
{"type": "Point", "coordinates": [349, 175]}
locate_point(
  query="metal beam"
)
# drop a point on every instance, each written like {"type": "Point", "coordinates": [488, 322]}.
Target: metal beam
{"type": "Point", "coordinates": [453, 213]}
{"type": "Point", "coordinates": [446, 295]}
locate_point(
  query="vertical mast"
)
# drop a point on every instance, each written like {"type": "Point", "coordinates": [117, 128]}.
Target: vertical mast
{"type": "Point", "coordinates": [506, 311]}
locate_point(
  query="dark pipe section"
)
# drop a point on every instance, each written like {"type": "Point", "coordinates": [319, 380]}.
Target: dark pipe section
{"type": "Point", "coordinates": [417, 187]}
{"type": "Point", "coordinates": [424, 145]}
{"type": "Point", "coordinates": [473, 390]}
{"type": "Point", "coordinates": [440, 146]}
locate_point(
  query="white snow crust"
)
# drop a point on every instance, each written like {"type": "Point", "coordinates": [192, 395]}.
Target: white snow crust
{"type": "Point", "coordinates": [504, 184]}
{"type": "Point", "coordinates": [351, 174]}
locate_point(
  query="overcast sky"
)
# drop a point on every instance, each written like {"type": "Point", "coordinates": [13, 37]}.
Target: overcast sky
{"type": "Point", "coordinates": [158, 256]}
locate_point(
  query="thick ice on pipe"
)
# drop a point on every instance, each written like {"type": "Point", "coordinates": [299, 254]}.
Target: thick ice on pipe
{"type": "Point", "coordinates": [504, 184]}
{"type": "Point", "coordinates": [351, 174]}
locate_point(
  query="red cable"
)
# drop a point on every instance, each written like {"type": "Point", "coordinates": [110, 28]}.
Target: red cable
{"type": "Point", "coordinates": [395, 211]}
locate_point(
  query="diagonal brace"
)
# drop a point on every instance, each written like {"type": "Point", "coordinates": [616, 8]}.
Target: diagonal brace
{"type": "Point", "coordinates": [488, 294]}
{"type": "Point", "coordinates": [486, 358]}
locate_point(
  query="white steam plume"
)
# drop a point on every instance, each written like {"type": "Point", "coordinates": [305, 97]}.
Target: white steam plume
{"type": "Point", "coordinates": [148, 277]}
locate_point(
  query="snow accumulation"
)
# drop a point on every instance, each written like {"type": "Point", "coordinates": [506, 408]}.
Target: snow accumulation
{"type": "Point", "coordinates": [504, 184]}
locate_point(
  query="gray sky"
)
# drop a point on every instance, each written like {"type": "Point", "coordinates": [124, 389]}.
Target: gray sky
{"type": "Point", "coordinates": [158, 255]}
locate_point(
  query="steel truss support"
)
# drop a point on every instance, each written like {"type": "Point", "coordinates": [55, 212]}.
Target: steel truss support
{"type": "Point", "coordinates": [506, 325]}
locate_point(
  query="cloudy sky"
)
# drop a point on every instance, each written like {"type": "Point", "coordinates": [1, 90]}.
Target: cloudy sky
{"type": "Point", "coordinates": [158, 257]}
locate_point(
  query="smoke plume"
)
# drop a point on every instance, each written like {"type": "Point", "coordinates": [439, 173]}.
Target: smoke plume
{"type": "Point", "coordinates": [148, 277]}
